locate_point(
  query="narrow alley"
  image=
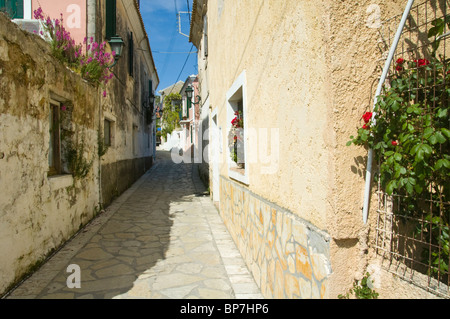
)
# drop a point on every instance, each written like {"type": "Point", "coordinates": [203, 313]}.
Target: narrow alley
{"type": "Point", "coordinates": [161, 239]}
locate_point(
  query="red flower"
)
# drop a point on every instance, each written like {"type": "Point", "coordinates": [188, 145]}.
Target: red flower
{"type": "Point", "coordinates": [421, 62]}
{"type": "Point", "coordinates": [394, 143]}
{"type": "Point", "coordinates": [367, 117]}
{"type": "Point", "coordinates": [366, 127]}
{"type": "Point", "coordinates": [398, 68]}
{"type": "Point", "coordinates": [400, 61]}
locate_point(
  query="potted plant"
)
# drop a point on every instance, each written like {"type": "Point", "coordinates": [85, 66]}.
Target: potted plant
{"type": "Point", "coordinates": [236, 140]}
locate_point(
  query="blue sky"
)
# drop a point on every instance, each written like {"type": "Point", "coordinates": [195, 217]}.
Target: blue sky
{"type": "Point", "coordinates": [169, 48]}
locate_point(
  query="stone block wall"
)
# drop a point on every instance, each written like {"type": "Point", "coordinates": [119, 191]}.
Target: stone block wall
{"type": "Point", "coordinates": [288, 257]}
{"type": "Point", "coordinates": [38, 212]}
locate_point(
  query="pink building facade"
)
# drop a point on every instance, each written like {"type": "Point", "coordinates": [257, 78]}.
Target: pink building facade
{"type": "Point", "coordinates": [73, 13]}
{"type": "Point", "coordinates": [191, 116]}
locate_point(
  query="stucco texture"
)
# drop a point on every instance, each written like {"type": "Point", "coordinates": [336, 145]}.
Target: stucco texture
{"type": "Point", "coordinates": [311, 70]}
{"type": "Point", "coordinates": [37, 212]}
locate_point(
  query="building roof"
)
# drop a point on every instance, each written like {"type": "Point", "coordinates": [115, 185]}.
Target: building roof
{"type": "Point", "coordinates": [136, 4]}
{"type": "Point", "coordinates": [199, 8]}
{"type": "Point", "coordinates": [174, 88]}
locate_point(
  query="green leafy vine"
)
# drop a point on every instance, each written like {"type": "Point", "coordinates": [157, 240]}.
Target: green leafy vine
{"type": "Point", "coordinates": [361, 289]}
{"type": "Point", "coordinates": [409, 132]}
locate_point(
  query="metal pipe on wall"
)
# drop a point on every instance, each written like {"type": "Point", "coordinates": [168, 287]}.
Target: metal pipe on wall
{"type": "Point", "coordinates": [378, 92]}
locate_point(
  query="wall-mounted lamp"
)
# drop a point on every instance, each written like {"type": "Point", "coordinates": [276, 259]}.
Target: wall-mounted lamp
{"type": "Point", "coordinates": [117, 45]}
{"type": "Point", "coordinates": [150, 102]}
{"type": "Point", "coordinates": [151, 98]}
{"type": "Point", "coordinates": [189, 91]}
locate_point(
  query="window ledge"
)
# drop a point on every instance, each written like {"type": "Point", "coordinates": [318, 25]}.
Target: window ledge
{"type": "Point", "coordinates": [238, 174]}
{"type": "Point", "coordinates": [60, 181]}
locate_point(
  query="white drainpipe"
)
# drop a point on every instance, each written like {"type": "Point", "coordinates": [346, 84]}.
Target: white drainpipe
{"type": "Point", "coordinates": [378, 92]}
{"type": "Point", "coordinates": [91, 18]}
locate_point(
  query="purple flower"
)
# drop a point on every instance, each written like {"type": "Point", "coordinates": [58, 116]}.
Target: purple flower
{"type": "Point", "coordinates": [38, 14]}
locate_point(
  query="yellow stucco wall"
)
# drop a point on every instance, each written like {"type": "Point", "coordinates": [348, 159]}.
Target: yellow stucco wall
{"type": "Point", "coordinates": [310, 71]}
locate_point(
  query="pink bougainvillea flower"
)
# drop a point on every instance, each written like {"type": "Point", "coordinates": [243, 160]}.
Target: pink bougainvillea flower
{"type": "Point", "coordinates": [38, 14]}
{"type": "Point", "coordinates": [104, 93]}
{"type": "Point", "coordinates": [63, 108]}
{"type": "Point", "coordinates": [367, 117]}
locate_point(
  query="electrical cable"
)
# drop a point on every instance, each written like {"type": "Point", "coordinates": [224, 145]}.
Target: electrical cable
{"type": "Point", "coordinates": [179, 75]}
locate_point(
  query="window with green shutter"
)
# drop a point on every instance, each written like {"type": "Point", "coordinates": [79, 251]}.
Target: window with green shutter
{"type": "Point", "coordinates": [110, 18]}
{"type": "Point", "coordinates": [130, 54]}
{"type": "Point", "coordinates": [14, 8]}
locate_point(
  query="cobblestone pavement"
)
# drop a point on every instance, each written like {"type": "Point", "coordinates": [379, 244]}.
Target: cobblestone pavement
{"type": "Point", "coordinates": [161, 239]}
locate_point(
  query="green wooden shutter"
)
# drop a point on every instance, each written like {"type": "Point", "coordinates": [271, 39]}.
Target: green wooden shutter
{"type": "Point", "coordinates": [110, 18]}
{"type": "Point", "coordinates": [130, 54]}
{"type": "Point", "coordinates": [19, 9]}
{"type": "Point", "coordinates": [14, 8]}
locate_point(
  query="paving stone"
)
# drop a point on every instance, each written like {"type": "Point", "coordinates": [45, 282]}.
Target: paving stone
{"type": "Point", "coordinates": [157, 240]}
{"type": "Point", "coordinates": [94, 254]}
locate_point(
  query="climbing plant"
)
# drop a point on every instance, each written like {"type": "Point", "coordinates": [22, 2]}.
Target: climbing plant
{"type": "Point", "coordinates": [409, 133]}
{"type": "Point", "coordinates": [171, 117]}
{"type": "Point", "coordinates": [78, 165]}
{"type": "Point", "coordinates": [361, 289]}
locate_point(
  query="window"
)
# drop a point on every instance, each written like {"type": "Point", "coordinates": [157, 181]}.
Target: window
{"type": "Point", "coordinates": [110, 18]}
{"type": "Point", "coordinates": [54, 154]}
{"type": "Point", "coordinates": [14, 8]}
{"type": "Point", "coordinates": [205, 35]}
{"type": "Point", "coordinates": [135, 142]}
{"type": "Point", "coordinates": [237, 127]}
{"type": "Point", "coordinates": [130, 54]}
{"type": "Point", "coordinates": [108, 132]}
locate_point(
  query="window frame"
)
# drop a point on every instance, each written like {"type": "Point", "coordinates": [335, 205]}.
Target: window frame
{"type": "Point", "coordinates": [232, 102]}
{"type": "Point", "coordinates": [54, 154]}
{"type": "Point", "coordinates": [108, 138]}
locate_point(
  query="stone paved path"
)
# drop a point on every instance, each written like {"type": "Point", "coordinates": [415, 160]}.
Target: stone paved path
{"type": "Point", "coordinates": [160, 239]}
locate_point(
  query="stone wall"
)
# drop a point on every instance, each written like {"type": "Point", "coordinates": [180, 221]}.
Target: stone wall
{"type": "Point", "coordinates": [39, 212]}
{"type": "Point", "coordinates": [119, 176]}
{"type": "Point", "coordinates": [131, 152]}
{"type": "Point", "coordinates": [289, 257]}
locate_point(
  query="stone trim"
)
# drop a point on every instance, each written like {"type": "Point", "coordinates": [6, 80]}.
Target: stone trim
{"type": "Point", "coordinates": [288, 257]}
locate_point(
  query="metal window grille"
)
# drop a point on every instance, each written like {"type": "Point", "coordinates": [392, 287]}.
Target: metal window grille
{"type": "Point", "coordinates": [409, 243]}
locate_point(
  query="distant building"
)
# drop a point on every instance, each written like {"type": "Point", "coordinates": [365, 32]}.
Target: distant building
{"type": "Point", "coordinates": [190, 115]}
